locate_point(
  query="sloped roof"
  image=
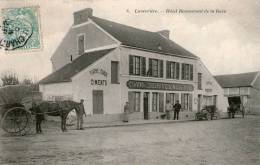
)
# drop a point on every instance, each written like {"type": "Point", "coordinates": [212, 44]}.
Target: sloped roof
{"type": "Point", "coordinates": [65, 73]}
{"type": "Point", "coordinates": [138, 38]}
{"type": "Point", "coordinates": [236, 80]}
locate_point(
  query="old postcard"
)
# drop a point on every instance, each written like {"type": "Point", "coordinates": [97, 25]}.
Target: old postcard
{"type": "Point", "coordinates": [129, 82]}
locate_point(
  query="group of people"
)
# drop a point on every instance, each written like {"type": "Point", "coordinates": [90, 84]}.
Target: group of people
{"type": "Point", "coordinates": [170, 107]}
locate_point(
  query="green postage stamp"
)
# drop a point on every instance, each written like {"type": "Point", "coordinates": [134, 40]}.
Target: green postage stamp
{"type": "Point", "coordinates": [20, 29]}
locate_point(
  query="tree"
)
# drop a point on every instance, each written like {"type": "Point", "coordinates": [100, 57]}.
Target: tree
{"type": "Point", "coordinates": [9, 79]}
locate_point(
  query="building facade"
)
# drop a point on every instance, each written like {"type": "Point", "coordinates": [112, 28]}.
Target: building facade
{"type": "Point", "coordinates": [108, 64]}
{"type": "Point", "coordinates": [244, 88]}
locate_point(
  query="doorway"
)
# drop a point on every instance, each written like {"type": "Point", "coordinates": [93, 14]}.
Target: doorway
{"type": "Point", "coordinates": [199, 103]}
{"type": "Point", "coordinates": [146, 105]}
{"type": "Point", "coordinates": [98, 102]}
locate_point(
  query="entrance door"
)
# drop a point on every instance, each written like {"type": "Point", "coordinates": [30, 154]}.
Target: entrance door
{"type": "Point", "coordinates": [146, 105]}
{"type": "Point", "coordinates": [199, 102]}
{"type": "Point", "coordinates": [98, 102]}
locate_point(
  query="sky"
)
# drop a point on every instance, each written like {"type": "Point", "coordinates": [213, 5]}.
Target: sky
{"type": "Point", "coordinates": [227, 42]}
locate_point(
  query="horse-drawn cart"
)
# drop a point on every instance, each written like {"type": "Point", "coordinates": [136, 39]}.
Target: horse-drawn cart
{"type": "Point", "coordinates": [235, 107]}
{"type": "Point", "coordinates": [15, 119]}
{"type": "Point", "coordinates": [15, 101]}
{"type": "Point", "coordinates": [208, 113]}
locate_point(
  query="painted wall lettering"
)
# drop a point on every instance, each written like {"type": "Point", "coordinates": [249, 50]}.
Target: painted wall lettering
{"type": "Point", "coordinates": [98, 71]}
{"type": "Point", "coordinates": [99, 82]}
{"type": "Point", "coordinates": [132, 84]}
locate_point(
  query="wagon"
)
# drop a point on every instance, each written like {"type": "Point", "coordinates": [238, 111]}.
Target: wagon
{"type": "Point", "coordinates": [16, 119]}
{"type": "Point", "coordinates": [15, 116]}
{"type": "Point", "coordinates": [208, 113]}
{"type": "Point", "coordinates": [235, 107]}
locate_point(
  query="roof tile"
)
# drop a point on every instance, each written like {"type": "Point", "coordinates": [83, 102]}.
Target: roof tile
{"type": "Point", "coordinates": [138, 38]}
{"type": "Point", "coordinates": [65, 73]}
{"type": "Point", "coordinates": [236, 80]}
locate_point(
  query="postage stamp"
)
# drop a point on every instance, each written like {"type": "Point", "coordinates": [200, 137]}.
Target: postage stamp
{"type": "Point", "coordinates": [20, 29]}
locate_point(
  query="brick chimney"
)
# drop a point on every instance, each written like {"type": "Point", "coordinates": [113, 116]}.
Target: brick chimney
{"type": "Point", "coordinates": [165, 33]}
{"type": "Point", "coordinates": [82, 16]}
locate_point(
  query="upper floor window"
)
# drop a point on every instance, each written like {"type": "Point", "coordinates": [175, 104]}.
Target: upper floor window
{"type": "Point", "coordinates": [137, 65]}
{"type": "Point", "coordinates": [81, 44]}
{"type": "Point", "coordinates": [187, 72]}
{"type": "Point", "coordinates": [114, 72]}
{"type": "Point", "coordinates": [172, 70]}
{"type": "Point", "coordinates": [200, 81]}
{"type": "Point", "coordinates": [155, 68]}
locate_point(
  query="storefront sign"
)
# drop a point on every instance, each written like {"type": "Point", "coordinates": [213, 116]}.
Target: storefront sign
{"type": "Point", "coordinates": [98, 71]}
{"type": "Point", "coordinates": [99, 82]}
{"type": "Point", "coordinates": [208, 90]}
{"type": "Point", "coordinates": [132, 84]}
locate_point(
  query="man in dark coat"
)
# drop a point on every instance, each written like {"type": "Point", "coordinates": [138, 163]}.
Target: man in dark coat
{"type": "Point", "coordinates": [177, 108]}
{"type": "Point", "coordinates": [80, 114]}
{"type": "Point", "coordinates": [39, 117]}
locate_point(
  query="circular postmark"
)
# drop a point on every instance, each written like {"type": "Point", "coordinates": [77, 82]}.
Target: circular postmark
{"type": "Point", "coordinates": [15, 33]}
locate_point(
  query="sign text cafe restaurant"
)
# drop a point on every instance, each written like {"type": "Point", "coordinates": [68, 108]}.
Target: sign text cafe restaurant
{"type": "Point", "coordinates": [153, 94]}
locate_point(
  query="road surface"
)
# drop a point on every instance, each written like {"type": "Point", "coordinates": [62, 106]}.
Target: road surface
{"type": "Point", "coordinates": [217, 142]}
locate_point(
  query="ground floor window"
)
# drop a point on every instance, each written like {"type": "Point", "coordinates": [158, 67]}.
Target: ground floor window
{"type": "Point", "coordinates": [161, 102]}
{"type": "Point", "coordinates": [172, 97]}
{"type": "Point", "coordinates": [209, 100]}
{"type": "Point", "coordinates": [134, 101]}
{"type": "Point", "coordinates": [154, 102]}
{"type": "Point", "coordinates": [186, 101]}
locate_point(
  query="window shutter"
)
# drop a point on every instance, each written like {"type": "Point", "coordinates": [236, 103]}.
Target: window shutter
{"type": "Point", "coordinates": [161, 102]}
{"type": "Point", "coordinates": [161, 68]}
{"type": "Point", "coordinates": [150, 68]}
{"type": "Point", "coordinates": [168, 69]}
{"type": "Point", "coordinates": [143, 66]}
{"type": "Point", "coordinates": [131, 100]}
{"type": "Point", "coordinates": [182, 71]}
{"type": "Point", "coordinates": [131, 64]}
{"type": "Point", "coordinates": [177, 70]}
{"type": "Point", "coordinates": [190, 102]}
{"type": "Point", "coordinates": [191, 72]}
{"type": "Point", "coordinates": [182, 101]}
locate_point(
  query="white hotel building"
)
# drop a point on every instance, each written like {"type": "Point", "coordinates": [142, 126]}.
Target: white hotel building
{"type": "Point", "coordinates": [107, 63]}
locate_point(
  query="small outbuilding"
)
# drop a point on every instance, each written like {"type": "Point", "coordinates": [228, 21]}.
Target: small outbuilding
{"type": "Point", "coordinates": [244, 88]}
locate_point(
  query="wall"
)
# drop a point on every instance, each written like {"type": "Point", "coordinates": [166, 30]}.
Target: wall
{"type": "Point", "coordinates": [125, 52]}
{"type": "Point", "coordinates": [210, 87]}
{"type": "Point", "coordinates": [56, 89]}
{"type": "Point", "coordinates": [254, 101]}
{"type": "Point", "coordinates": [94, 38]}
{"type": "Point", "coordinates": [82, 87]}
{"type": "Point", "coordinates": [255, 95]}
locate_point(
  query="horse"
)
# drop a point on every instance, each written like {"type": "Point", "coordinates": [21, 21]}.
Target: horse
{"type": "Point", "coordinates": [62, 109]}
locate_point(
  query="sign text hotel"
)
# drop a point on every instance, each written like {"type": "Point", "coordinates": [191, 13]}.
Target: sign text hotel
{"type": "Point", "coordinates": [132, 84]}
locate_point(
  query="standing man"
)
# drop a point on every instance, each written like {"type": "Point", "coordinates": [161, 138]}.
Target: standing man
{"type": "Point", "coordinates": [126, 112]}
{"type": "Point", "coordinates": [177, 108]}
{"type": "Point", "coordinates": [80, 114]}
{"type": "Point", "coordinates": [168, 108]}
{"type": "Point", "coordinates": [39, 117]}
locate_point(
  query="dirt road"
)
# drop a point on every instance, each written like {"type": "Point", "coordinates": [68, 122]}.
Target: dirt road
{"type": "Point", "coordinates": [217, 142]}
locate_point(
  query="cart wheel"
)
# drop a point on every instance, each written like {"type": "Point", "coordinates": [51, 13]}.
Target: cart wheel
{"type": "Point", "coordinates": [16, 121]}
